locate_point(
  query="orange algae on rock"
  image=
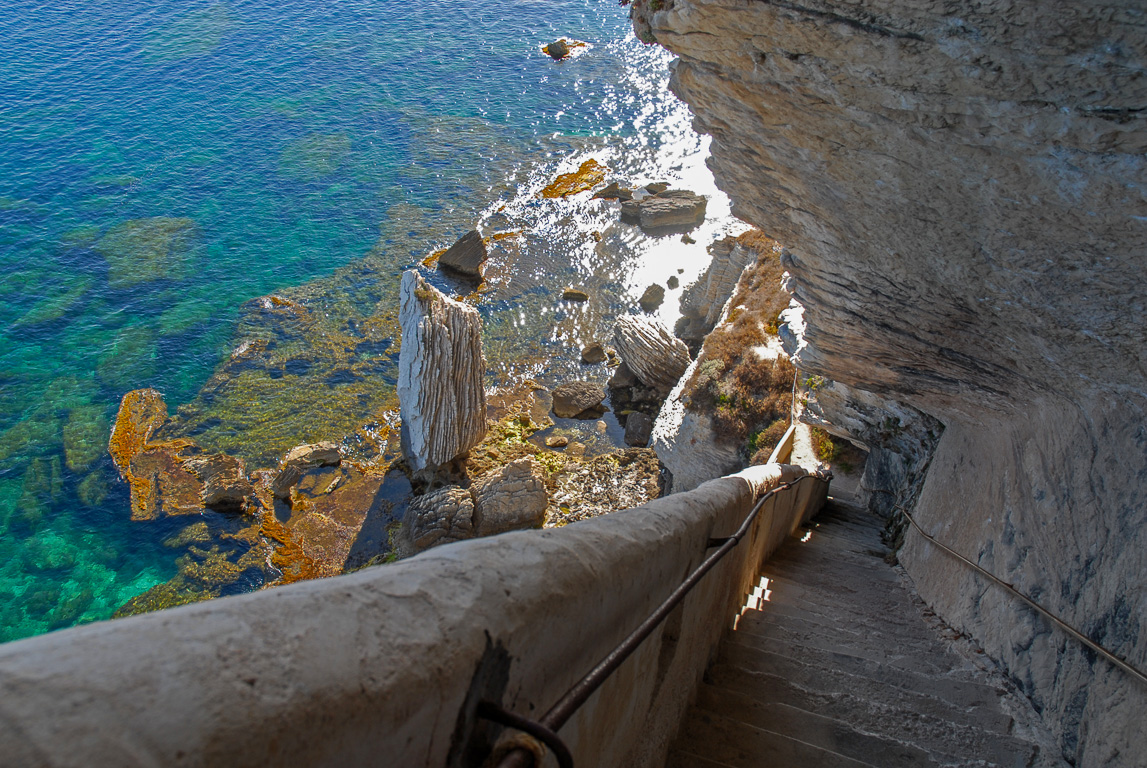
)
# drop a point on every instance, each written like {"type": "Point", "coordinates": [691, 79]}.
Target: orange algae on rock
{"type": "Point", "coordinates": [589, 175]}
{"type": "Point", "coordinates": [141, 413]}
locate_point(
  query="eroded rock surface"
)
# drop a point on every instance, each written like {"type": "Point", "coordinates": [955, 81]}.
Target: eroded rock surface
{"type": "Point", "coordinates": [439, 517]}
{"type": "Point", "coordinates": [441, 392]}
{"type": "Point", "coordinates": [959, 190]}
{"type": "Point", "coordinates": [665, 210]}
{"type": "Point", "coordinates": [651, 351]}
{"type": "Point", "coordinates": [510, 498]}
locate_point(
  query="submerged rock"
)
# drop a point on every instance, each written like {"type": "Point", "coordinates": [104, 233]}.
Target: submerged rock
{"type": "Point", "coordinates": [649, 349]}
{"type": "Point", "coordinates": [466, 256]}
{"type": "Point", "coordinates": [575, 294]}
{"type": "Point", "coordinates": [141, 413]}
{"type": "Point", "coordinates": [441, 371]}
{"type": "Point", "coordinates": [511, 498]}
{"type": "Point", "coordinates": [298, 461]}
{"type": "Point", "coordinates": [143, 250]}
{"type": "Point", "coordinates": [557, 441]}
{"type": "Point", "coordinates": [613, 191]}
{"type": "Point", "coordinates": [578, 399]}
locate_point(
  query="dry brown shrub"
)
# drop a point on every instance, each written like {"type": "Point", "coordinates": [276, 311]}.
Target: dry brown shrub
{"type": "Point", "coordinates": [743, 393]}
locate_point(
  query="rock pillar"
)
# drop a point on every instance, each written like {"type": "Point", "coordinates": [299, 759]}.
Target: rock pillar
{"type": "Point", "coordinates": [441, 370]}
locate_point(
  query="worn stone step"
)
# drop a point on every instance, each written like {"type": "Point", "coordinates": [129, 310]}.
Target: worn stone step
{"type": "Point", "coordinates": [848, 604]}
{"type": "Point", "coordinates": [780, 637]}
{"type": "Point", "coordinates": [873, 632]}
{"type": "Point", "coordinates": [681, 759]}
{"type": "Point", "coordinates": [792, 661]}
{"type": "Point", "coordinates": [977, 735]}
{"type": "Point", "coordinates": [834, 682]}
{"type": "Point", "coordinates": [740, 745]}
{"type": "Point", "coordinates": [820, 731]}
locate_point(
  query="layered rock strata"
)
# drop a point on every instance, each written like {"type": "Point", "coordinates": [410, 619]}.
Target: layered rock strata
{"type": "Point", "coordinates": [650, 350]}
{"type": "Point", "coordinates": [960, 188]}
{"type": "Point", "coordinates": [441, 392]}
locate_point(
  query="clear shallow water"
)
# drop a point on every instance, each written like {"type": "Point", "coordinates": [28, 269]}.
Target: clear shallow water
{"type": "Point", "coordinates": [160, 166]}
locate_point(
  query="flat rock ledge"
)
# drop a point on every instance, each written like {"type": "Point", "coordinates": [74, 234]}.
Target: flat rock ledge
{"type": "Point", "coordinates": [677, 210]}
{"type": "Point", "coordinates": [441, 393]}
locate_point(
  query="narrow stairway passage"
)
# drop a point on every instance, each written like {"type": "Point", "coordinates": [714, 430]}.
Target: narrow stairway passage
{"type": "Point", "coordinates": [837, 663]}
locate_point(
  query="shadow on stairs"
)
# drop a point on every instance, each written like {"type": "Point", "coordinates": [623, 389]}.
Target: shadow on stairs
{"type": "Point", "coordinates": [841, 667]}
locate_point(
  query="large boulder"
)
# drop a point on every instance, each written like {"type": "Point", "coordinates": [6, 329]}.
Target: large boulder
{"type": "Point", "coordinates": [298, 461]}
{"type": "Point", "coordinates": [650, 350]}
{"type": "Point", "coordinates": [439, 517]}
{"type": "Point", "coordinates": [466, 256]}
{"type": "Point", "coordinates": [441, 372]}
{"type": "Point", "coordinates": [511, 498]}
{"type": "Point", "coordinates": [575, 398]}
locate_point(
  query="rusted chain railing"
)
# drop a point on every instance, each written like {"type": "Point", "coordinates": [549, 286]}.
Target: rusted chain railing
{"type": "Point", "coordinates": [1070, 630]}
{"type": "Point", "coordinates": [545, 730]}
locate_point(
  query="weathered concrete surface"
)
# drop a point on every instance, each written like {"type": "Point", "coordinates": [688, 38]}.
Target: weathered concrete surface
{"type": "Point", "coordinates": [441, 370]}
{"type": "Point", "coordinates": [960, 187]}
{"type": "Point", "coordinates": [343, 670]}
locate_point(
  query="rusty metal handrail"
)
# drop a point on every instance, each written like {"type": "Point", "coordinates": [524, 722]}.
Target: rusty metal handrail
{"type": "Point", "coordinates": [1070, 630]}
{"type": "Point", "coordinates": [568, 704]}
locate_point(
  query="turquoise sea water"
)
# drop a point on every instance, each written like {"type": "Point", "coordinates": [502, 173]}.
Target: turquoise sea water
{"type": "Point", "coordinates": [161, 164]}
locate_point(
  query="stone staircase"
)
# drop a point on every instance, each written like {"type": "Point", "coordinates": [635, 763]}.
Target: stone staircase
{"type": "Point", "coordinates": [836, 663]}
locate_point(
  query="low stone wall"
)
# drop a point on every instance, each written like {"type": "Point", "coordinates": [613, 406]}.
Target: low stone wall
{"type": "Point", "coordinates": [374, 667]}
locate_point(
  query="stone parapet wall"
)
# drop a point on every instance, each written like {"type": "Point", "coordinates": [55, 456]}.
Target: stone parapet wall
{"type": "Point", "coordinates": [374, 667]}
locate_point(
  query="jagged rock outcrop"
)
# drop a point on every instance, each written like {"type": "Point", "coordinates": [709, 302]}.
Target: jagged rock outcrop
{"type": "Point", "coordinates": [959, 189]}
{"type": "Point", "coordinates": [441, 370]}
{"type": "Point", "coordinates": [466, 256]}
{"type": "Point", "coordinates": [703, 301]}
{"type": "Point", "coordinates": [651, 351]}
{"type": "Point", "coordinates": [510, 498]}
{"type": "Point", "coordinates": [224, 479]}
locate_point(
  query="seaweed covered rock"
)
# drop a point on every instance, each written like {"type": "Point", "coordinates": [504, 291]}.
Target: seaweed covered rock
{"type": "Point", "coordinates": [143, 250]}
{"type": "Point", "coordinates": [224, 479]}
{"type": "Point", "coordinates": [441, 371]}
{"type": "Point", "coordinates": [650, 350]}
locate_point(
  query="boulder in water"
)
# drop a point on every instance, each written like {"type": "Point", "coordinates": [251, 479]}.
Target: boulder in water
{"type": "Point", "coordinates": [578, 399]}
{"type": "Point", "coordinates": [466, 256]}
